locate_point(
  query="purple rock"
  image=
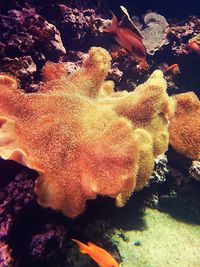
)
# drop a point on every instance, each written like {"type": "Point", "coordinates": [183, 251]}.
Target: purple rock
{"type": "Point", "coordinates": [32, 40]}
{"type": "Point", "coordinates": [23, 67]}
{"type": "Point", "coordinates": [180, 33]}
{"type": "Point", "coordinates": [115, 73]}
{"type": "Point", "coordinates": [6, 259]}
{"type": "Point", "coordinates": [24, 229]}
{"type": "Point", "coordinates": [30, 31]}
{"type": "Point", "coordinates": [49, 244]}
{"type": "Point", "coordinates": [16, 195]}
{"type": "Point", "coordinates": [80, 27]}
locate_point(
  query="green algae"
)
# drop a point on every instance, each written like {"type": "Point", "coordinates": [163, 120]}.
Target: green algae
{"type": "Point", "coordinates": [163, 242]}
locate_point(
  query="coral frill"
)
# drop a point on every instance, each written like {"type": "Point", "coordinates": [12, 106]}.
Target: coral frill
{"type": "Point", "coordinates": [82, 137]}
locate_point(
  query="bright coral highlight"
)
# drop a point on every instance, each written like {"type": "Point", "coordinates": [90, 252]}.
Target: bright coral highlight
{"type": "Point", "coordinates": [82, 137]}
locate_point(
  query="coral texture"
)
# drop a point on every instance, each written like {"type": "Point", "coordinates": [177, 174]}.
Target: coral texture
{"type": "Point", "coordinates": [194, 170]}
{"type": "Point", "coordinates": [16, 195]}
{"type": "Point", "coordinates": [22, 67]}
{"type": "Point", "coordinates": [181, 32]}
{"type": "Point", "coordinates": [24, 240]}
{"type": "Point", "coordinates": [79, 26]}
{"type": "Point", "coordinates": [27, 42]}
{"type": "Point", "coordinates": [155, 32]}
{"type": "Point", "coordinates": [82, 137]}
{"type": "Point", "coordinates": [31, 30]}
{"type": "Point", "coordinates": [185, 125]}
{"type": "Point", "coordinates": [49, 244]}
{"type": "Point", "coordinates": [5, 255]}
{"type": "Point", "coordinates": [160, 170]}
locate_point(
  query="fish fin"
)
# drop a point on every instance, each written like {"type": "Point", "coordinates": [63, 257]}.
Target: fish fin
{"type": "Point", "coordinates": [92, 245]}
{"type": "Point", "coordinates": [114, 24]}
{"type": "Point", "coordinates": [83, 248]}
{"type": "Point", "coordinates": [134, 27]}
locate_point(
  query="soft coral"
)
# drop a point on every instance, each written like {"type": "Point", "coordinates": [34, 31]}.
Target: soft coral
{"type": "Point", "coordinates": [82, 137]}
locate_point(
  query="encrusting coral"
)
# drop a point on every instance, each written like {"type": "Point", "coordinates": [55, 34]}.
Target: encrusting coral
{"type": "Point", "coordinates": [82, 137]}
{"type": "Point", "coordinates": [184, 126]}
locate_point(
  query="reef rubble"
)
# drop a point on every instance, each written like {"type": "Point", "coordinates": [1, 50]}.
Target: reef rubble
{"type": "Point", "coordinates": [34, 36]}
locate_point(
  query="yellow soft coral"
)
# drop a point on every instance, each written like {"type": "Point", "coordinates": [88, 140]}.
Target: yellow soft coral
{"type": "Point", "coordinates": [185, 125]}
{"type": "Point", "coordinates": [82, 137]}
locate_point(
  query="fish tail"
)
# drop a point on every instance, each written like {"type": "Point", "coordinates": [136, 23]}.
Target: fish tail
{"type": "Point", "coordinates": [114, 25]}
{"type": "Point", "coordinates": [83, 248]}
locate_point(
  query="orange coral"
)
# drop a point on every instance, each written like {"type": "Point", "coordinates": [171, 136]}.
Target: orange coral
{"type": "Point", "coordinates": [82, 137]}
{"type": "Point", "coordinates": [184, 126]}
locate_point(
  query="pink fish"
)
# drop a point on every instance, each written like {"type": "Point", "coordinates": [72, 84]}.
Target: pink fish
{"type": "Point", "coordinates": [194, 45]}
{"type": "Point", "coordinates": [127, 39]}
{"type": "Point", "coordinates": [174, 68]}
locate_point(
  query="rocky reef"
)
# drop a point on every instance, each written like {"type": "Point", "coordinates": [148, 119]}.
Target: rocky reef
{"type": "Point", "coordinates": [45, 65]}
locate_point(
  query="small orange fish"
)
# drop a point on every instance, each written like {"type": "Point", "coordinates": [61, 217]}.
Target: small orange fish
{"type": "Point", "coordinates": [128, 39]}
{"type": "Point", "coordinates": [174, 68]}
{"type": "Point", "coordinates": [98, 254]}
{"type": "Point", "coordinates": [194, 45]}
